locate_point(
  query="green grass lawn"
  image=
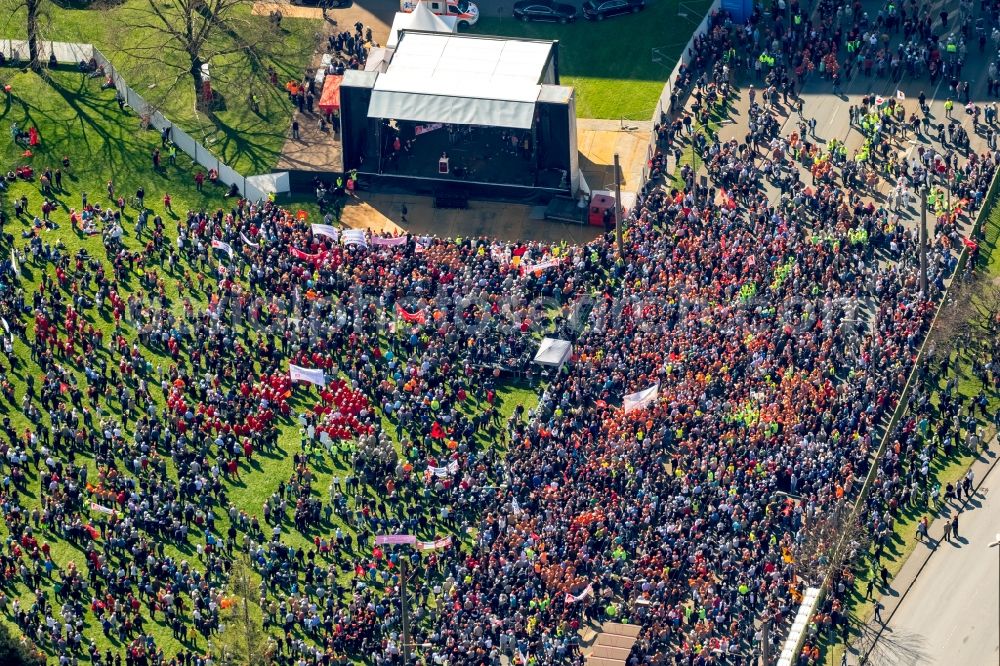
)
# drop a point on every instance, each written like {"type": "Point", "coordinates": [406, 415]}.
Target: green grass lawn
{"type": "Point", "coordinates": [247, 141]}
{"type": "Point", "coordinates": [78, 119]}
{"type": "Point", "coordinates": [610, 63]}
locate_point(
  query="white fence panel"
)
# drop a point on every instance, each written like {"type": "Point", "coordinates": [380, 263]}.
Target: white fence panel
{"type": "Point", "coordinates": [159, 121]}
{"type": "Point", "coordinates": [69, 53]}
{"type": "Point", "coordinates": [228, 176]}
{"type": "Point", "coordinates": [270, 182]}
{"type": "Point", "coordinates": [207, 159]}
{"type": "Point", "coordinates": [185, 143]}
{"type": "Point", "coordinates": [12, 46]}
{"type": "Point", "coordinates": [136, 102]}
{"type": "Point", "coordinates": [252, 192]}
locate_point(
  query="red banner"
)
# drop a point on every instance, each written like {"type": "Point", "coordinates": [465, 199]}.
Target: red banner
{"type": "Point", "coordinates": [410, 317]}
{"type": "Point", "coordinates": [305, 256]}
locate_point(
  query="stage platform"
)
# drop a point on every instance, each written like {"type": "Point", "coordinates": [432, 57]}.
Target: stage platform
{"type": "Point", "coordinates": [383, 212]}
{"type": "Point", "coordinates": [597, 141]}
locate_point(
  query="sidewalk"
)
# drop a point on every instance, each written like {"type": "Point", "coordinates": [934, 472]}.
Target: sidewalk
{"type": "Point", "coordinates": [924, 552]}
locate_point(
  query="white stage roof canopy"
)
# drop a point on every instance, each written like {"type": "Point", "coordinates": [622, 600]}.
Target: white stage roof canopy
{"type": "Point", "coordinates": [443, 78]}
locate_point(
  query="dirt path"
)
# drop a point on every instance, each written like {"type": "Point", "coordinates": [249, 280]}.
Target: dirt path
{"type": "Point", "coordinates": [287, 10]}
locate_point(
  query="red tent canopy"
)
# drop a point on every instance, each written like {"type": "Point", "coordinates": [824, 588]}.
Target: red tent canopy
{"type": "Point", "coordinates": [330, 100]}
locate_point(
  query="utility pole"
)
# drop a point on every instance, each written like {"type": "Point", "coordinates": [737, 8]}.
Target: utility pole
{"type": "Point", "coordinates": [765, 641]}
{"type": "Point", "coordinates": [405, 610]}
{"type": "Point", "coordinates": [951, 179]}
{"type": "Point", "coordinates": [923, 241]}
{"type": "Point", "coordinates": [618, 206]}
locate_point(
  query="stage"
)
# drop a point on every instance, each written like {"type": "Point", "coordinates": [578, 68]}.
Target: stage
{"type": "Point", "coordinates": [476, 154]}
{"type": "Point", "coordinates": [459, 116]}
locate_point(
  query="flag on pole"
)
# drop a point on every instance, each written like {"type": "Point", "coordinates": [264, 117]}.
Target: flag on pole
{"type": "Point", "coordinates": [13, 262]}
{"type": "Point", "coordinates": [311, 375]}
{"type": "Point", "coordinates": [225, 247]}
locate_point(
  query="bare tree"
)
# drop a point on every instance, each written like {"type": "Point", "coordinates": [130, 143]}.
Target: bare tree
{"type": "Point", "coordinates": [37, 19]}
{"type": "Point", "coordinates": [242, 640]}
{"type": "Point", "coordinates": [952, 317]}
{"type": "Point", "coordinates": [826, 540]}
{"type": "Point", "coordinates": [192, 34]}
{"type": "Point", "coordinates": [32, 9]}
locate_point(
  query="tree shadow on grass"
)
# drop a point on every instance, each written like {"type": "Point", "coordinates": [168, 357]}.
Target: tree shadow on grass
{"type": "Point", "coordinates": [101, 133]}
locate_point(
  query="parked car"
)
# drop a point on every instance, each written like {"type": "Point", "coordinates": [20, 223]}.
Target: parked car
{"type": "Point", "coordinates": [466, 12]}
{"type": "Point", "coordinates": [601, 9]}
{"type": "Point", "coordinates": [544, 10]}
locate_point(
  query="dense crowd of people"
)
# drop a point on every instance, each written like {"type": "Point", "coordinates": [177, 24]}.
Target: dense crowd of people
{"type": "Point", "coordinates": [778, 332]}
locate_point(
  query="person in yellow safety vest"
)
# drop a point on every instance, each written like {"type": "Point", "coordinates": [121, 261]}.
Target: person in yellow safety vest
{"type": "Point", "coordinates": [948, 106]}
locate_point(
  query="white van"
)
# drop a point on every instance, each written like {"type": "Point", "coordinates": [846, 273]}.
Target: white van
{"type": "Point", "coordinates": [467, 13]}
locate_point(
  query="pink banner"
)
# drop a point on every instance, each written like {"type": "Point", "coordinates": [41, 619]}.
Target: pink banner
{"type": "Point", "coordinates": [389, 242]}
{"type": "Point", "coordinates": [395, 539]}
{"type": "Point", "coordinates": [424, 129]}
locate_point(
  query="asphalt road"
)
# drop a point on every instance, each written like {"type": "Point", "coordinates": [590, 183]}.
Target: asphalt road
{"type": "Point", "coordinates": [832, 115]}
{"type": "Point", "coordinates": [950, 616]}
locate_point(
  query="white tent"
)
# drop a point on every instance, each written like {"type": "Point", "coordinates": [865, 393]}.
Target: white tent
{"type": "Point", "coordinates": [421, 18]}
{"type": "Point", "coordinates": [378, 59]}
{"type": "Point", "coordinates": [553, 352]}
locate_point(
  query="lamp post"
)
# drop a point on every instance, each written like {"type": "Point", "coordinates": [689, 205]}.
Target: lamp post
{"type": "Point", "coordinates": [404, 605]}
{"type": "Point", "coordinates": [923, 241]}
{"type": "Point", "coordinates": [405, 608]}
{"type": "Point", "coordinates": [618, 204]}
{"type": "Point", "coordinates": [996, 544]}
